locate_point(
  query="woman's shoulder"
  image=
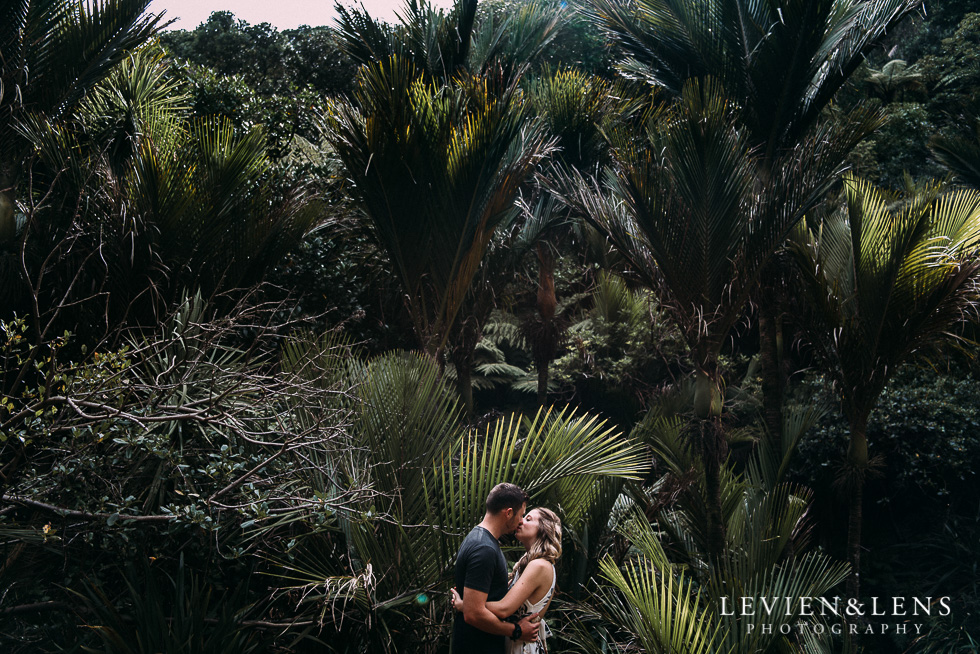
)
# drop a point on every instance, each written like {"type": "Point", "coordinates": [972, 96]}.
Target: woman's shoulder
{"type": "Point", "coordinates": [539, 566]}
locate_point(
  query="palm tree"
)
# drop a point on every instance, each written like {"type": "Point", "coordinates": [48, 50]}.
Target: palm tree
{"type": "Point", "coordinates": [574, 107]}
{"type": "Point", "coordinates": [895, 79]}
{"type": "Point", "coordinates": [686, 210]}
{"type": "Point", "coordinates": [437, 169]}
{"type": "Point", "coordinates": [440, 43]}
{"type": "Point", "coordinates": [888, 279]}
{"type": "Point", "coordinates": [450, 49]}
{"type": "Point", "coordinates": [52, 52]}
{"type": "Point", "coordinates": [781, 62]}
{"type": "Point", "coordinates": [666, 595]}
{"type": "Point", "coordinates": [168, 203]}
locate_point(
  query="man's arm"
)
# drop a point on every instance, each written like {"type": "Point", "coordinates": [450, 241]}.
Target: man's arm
{"type": "Point", "coordinates": [476, 614]}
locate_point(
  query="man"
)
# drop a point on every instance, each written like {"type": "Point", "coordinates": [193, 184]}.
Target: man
{"type": "Point", "coordinates": [481, 577]}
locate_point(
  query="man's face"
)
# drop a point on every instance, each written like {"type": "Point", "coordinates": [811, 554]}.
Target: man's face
{"type": "Point", "coordinates": [515, 519]}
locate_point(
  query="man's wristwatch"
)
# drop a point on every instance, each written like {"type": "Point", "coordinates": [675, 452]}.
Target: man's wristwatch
{"type": "Point", "coordinates": [517, 632]}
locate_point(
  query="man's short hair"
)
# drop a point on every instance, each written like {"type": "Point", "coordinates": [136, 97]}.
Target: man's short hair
{"type": "Point", "coordinates": [505, 496]}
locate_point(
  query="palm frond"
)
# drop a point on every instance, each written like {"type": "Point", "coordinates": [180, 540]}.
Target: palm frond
{"type": "Point", "coordinates": [888, 279]}
{"type": "Point", "coordinates": [437, 169]}
{"type": "Point", "coordinates": [782, 62]}
{"type": "Point", "coordinates": [557, 458]}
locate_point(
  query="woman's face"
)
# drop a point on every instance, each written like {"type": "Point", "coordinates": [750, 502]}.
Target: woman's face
{"type": "Point", "coordinates": [527, 531]}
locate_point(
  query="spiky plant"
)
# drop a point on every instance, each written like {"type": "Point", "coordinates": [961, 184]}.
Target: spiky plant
{"type": "Point", "coordinates": [437, 169]}
{"type": "Point", "coordinates": [781, 62]}
{"type": "Point", "coordinates": [52, 52]}
{"type": "Point", "coordinates": [169, 203]}
{"type": "Point", "coordinates": [888, 279]}
{"type": "Point", "coordinates": [667, 595]}
{"type": "Point", "coordinates": [686, 210]}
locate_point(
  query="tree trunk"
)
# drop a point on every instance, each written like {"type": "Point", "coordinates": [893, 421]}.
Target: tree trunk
{"type": "Point", "coordinates": [544, 345]}
{"type": "Point", "coordinates": [712, 456]}
{"type": "Point", "coordinates": [463, 361]}
{"type": "Point", "coordinates": [772, 303]}
{"type": "Point", "coordinates": [463, 347]}
{"type": "Point", "coordinates": [708, 407]}
{"type": "Point", "coordinates": [772, 373]}
{"type": "Point", "coordinates": [856, 474]}
{"type": "Point", "coordinates": [544, 368]}
{"type": "Point", "coordinates": [8, 223]}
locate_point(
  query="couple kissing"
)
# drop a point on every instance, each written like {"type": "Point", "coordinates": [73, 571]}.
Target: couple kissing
{"type": "Point", "coordinates": [497, 612]}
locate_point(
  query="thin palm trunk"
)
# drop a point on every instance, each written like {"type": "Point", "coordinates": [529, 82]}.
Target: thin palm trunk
{"type": "Point", "coordinates": [462, 357]}
{"type": "Point", "coordinates": [856, 474]}
{"type": "Point", "coordinates": [708, 406]}
{"type": "Point", "coordinates": [7, 222]}
{"type": "Point", "coordinates": [713, 451]}
{"type": "Point", "coordinates": [773, 381]}
{"type": "Point", "coordinates": [544, 371]}
{"type": "Point", "coordinates": [546, 334]}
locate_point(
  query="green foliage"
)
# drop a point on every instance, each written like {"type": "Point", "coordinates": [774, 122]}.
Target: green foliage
{"type": "Point", "coordinates": [887, 282]}
{"type": "Point", "coordinates": [924, 430]}
{"type": "Point", "coordinates": [183, 441]}
{"type": "Point", "coordinates": [665, 593]}
{"type": "Point", "coordinates": [923, 425]}
{"type": "Point", "coordinates": [193, 203]}
{"type": "Point", "coordinates": [512, 34]}
{"type": "Point", "coordinates": [217, 444]}
{"type": "Point", "coordinates": [946, 554]}
{"type": "Point", "coordinates": [955, 69]}
{"type": "Point", "coordinates": [575, 107]}
{"type": "Point", "coordinates": [172, 614]}
{"type": "Point", "coordinates": [435, 41]}
{"type": "Point", "coordinates": [580, 43]}
{"type": "Point", "coordinates": [256, 75]}
{"type": "Point", "coordinates": [437, 170]}
{"type": "Point", "coordinates": [54, 52]}
{"type": "Point", "coordinates": [282, 116]}
{"type": "Point", "coordinates": [702, 240]}
{"type": "Point", "coordinates": [624, 346]}
{"type": "Point", "coordinates": [272, 62]}
{"type": "Point", "coordinates": [899, 147]}
{"type": "Point", "coordinates": [782, 62]}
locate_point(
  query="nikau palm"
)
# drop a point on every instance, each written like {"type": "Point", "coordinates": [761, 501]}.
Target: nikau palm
{"type": "Point", "coordinates": [191, 205]}
{"type": "Point", "coordinates": [52, 52]}
{"type": "Point", "coordinates": [687, 211]}
{"type": "Point", "coordinates": [437, 169]}
{"type": "Point", "coordinates": [669, 598]}
{"type": "Point", "coordinates": [781, 62]}
{"type": "Point", "coordinates": [887, 284]}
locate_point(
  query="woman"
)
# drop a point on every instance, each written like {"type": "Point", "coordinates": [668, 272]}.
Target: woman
{"type": "Point", "coordinates": [532, 582]}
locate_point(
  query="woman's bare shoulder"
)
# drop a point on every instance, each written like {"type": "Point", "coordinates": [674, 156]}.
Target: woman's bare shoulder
{"type": "Point", "coordinates": [539, 566]}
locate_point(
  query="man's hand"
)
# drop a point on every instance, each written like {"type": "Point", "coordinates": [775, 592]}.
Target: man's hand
{"type": "Point", "coordinates": [529, 627]}
{"type": "Point", "coordinates": [455, 599]}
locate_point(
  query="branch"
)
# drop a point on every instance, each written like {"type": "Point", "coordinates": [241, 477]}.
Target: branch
{"type": "Point", "coordinates": [31, 608]}
{"type": "Point", "coordinates": [70, 513]}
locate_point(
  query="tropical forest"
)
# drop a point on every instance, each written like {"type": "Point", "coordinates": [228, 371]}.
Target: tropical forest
{"type": "Point", "coordinates": [278, 308]}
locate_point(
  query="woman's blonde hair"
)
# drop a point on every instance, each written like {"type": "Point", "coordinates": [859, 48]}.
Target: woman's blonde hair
{"type": "Point", "coordinates": [547, 545]}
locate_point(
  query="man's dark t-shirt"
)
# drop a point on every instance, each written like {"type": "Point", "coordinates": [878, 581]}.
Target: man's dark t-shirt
{"type": "Point", "coordinates": [480, 565]}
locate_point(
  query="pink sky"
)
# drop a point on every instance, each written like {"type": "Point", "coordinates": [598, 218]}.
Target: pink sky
{"type": "Point", "coordinates": [284, 14]}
